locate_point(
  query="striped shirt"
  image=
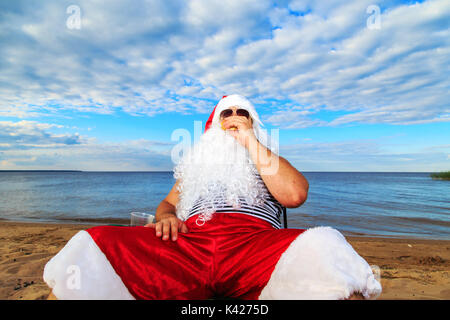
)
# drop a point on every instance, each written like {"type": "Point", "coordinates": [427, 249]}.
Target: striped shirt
{"type": "Point", "coordinates": [269, 211]}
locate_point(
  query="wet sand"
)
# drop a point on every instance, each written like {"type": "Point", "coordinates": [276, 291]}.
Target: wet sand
{"type": "Point", "coordinates": [409, 268]}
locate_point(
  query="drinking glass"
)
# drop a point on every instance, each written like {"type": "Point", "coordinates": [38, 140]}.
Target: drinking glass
{"type": "Point", "coordinates": [141, 218]}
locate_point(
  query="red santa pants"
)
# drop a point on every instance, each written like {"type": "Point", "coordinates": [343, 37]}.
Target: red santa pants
{"type": "Point", "coordinates": [232, 255]}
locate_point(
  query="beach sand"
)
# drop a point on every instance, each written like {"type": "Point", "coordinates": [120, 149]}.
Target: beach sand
{"type": "Point", "coordinates": [409, 269]}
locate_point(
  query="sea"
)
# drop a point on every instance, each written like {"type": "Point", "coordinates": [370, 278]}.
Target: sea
{"type": "Point", "coordinates": [380, 204]}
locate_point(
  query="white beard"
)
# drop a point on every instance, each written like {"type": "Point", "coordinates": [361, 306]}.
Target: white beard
{"type": "Point", "coordinates": [218, 167]}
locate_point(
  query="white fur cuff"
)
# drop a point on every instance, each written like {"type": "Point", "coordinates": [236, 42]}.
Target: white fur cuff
{"type": "Point", "coordinates": [82, 271]}
{"type": "Point", "coordinates": [321, 265]}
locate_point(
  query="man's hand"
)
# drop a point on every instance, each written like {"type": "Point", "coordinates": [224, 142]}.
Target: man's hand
{"type": "Point", "coordinates": [168, 225]}
{"type": "Point", "coordinates": [244, 133]}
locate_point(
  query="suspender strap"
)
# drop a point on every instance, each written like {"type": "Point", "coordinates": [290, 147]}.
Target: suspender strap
{"type": "Point", "coordinates": [285, 217]}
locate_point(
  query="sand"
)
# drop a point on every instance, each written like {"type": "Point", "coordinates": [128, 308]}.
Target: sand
{"type": "Point", "coordinates": [409, 268]}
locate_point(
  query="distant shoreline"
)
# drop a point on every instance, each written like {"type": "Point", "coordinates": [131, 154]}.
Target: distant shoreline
{"type": "Point", "coordinates": [445, 175]}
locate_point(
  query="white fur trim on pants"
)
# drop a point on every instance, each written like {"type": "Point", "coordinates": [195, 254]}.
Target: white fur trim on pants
{"type": "Point", "coordinates": [321, 265]}
{"type": "Point", "coordinates": [82, 271]}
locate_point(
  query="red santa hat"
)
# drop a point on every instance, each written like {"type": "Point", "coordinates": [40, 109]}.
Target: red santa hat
{"type": "Point", "coordinates": [233, 100]}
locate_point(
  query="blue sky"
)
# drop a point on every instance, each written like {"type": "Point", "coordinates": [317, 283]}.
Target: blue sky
{"type": "Point", "coordinates": [349, 90]}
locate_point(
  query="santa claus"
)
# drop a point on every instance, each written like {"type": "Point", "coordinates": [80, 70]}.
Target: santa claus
{"type": "Point", "coordinates": [218, 232]}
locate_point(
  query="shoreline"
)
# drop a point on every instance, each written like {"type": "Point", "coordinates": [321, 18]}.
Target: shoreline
{"type": "Point", "coordinates": [71, 221]}
{"type": "Point", "coordinates": [409, 268]}
{"type": "Point", "coordinates": [91, 222]}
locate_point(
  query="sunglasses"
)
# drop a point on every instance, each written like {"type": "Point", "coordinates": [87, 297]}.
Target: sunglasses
{"type": "Point", "coordinates": [239, 112]}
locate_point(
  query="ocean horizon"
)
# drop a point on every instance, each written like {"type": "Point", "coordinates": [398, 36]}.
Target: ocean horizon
{"type": "Point", "coordinates": [390, 204]}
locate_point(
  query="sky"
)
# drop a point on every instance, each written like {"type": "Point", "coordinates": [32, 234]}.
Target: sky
{"type": "Point", "coordinates": [102, 86]}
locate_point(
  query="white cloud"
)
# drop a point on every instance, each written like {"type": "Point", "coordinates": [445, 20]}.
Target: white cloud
{"type": "Point", "coordinates": [32, 145]}
{"type": "Point", "coordinates": [294, 119]}
{"type": "Point", "coordinates": [362, 155]}
{"type": "Point", "coordinates": [29, 133]}
{"type": "Point", "coordinates": [158, 56]}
